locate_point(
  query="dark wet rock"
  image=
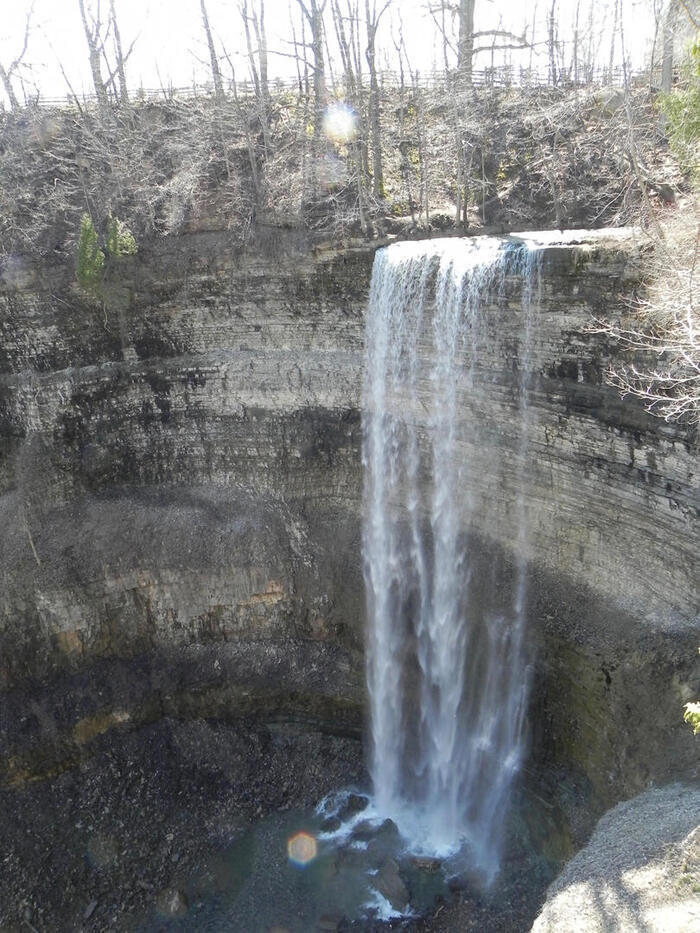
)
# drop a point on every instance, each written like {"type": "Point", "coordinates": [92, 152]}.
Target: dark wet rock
{"type": "Point", "coordinates": [385, 841]}
{"type": "Point", "coordinates": [368, 831]}
{"type": "Point", "coordinates": [329, 923]}
{"type": "Point", "coordinates": [390, 885]}
{"type": "Point", "coordinates": [427, 865]}
{"type": "Point", "coordinates": [114, 824]}
{"type": "Point", "coordinates": [353, 859]}
{"type": "Point", "coordinates": [331, 824]}
{"type": "Point", "coordinates": [364, 831]}
{"type": "Point", "coordinates": [458, 883]}
{"type": "Point", "coordinates": [354, 804]}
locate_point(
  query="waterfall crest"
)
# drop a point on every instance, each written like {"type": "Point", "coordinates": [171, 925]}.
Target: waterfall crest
{"type": "Point", "coordinates": [447, 673]}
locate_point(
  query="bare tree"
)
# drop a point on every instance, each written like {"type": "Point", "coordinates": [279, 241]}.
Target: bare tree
{"type": "Point", "coordinates": [7, 74]}
{"type": "Point", "coordinates": [373, 17]}
{"type": "Point", "coordinates": [213, 58]}
{"type": "Point", "coordinates": [93, 28]}
{"type": "Point", "coordinates": [346, 22]}
{"type": "Point", "coordinates": [613, 40]}
{"type": "Point", "coordinates": [250, 142]}
{"type": "Point", "coordinates": [312, 11]}
{"type": "Point", "coordinates": [669, 36]}
{"type": "Point", "coordinates": [661, 335]}
{"type": "Point", "coordinates": [552, 42]}
{"type": "Point", "coordinates": [465, 47]}
{"type": "Point", "coordinates": [470, 43]}
{"type": "Point", "coordinates": [120, 57]}
{"type": "Point", "coordinates": [257, 60]}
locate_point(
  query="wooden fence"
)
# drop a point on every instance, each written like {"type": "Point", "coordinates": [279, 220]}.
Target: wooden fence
{"type": "Point", "coordinates": [502, 76]}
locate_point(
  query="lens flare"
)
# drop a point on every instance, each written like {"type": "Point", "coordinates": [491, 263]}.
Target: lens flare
{"type": "Point", "coordinates": [340, 123]}
{"type": "Point", "coordinates": [302, 848]}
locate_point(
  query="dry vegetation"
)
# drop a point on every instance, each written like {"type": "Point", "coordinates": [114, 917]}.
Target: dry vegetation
{"type": "Point", "coordinates": [663, 331]}
{"type": "Point", "coordinates": [539, 157]}
{"type": "Point", "coordinates": [453, 157]}
{"type": "Point", "coordinates": [662, 334]}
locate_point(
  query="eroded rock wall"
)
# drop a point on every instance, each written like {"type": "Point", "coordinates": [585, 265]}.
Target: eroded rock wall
{"type": "Point", "coordinates": [180, 482]}
{"type": "Point", "coordinates": [180, 497]}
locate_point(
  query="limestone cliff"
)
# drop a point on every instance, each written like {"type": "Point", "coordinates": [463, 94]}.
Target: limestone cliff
{"type": "Point", "coordinates": [181, 488]}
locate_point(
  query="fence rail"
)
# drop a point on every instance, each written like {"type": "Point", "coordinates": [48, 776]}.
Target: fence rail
{"type": "Point", "coordinates": [501, 76]}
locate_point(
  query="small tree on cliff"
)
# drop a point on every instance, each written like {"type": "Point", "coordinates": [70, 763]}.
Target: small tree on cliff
{"type": "Point", "coordinates": [91, 259]}
{"type": "Point", "coordinates": [119, 242]}
{"type": "Point", "coordinates": [692, 715]}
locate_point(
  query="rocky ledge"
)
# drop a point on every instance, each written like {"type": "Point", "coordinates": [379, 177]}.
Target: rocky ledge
{"type": "Point", "coordinates": [639, 872]}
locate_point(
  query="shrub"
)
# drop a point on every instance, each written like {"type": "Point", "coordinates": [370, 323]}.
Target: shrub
{"type": "Point", "coordinates": [120, 240]}
{"type": "Point", "coordinates": [692, 716]}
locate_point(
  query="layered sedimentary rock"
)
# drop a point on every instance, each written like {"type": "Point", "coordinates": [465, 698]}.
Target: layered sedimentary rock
{"type": "Point", "coordinates": [179, 492]}
{"type": "Point", "coordinates": [181, 489]}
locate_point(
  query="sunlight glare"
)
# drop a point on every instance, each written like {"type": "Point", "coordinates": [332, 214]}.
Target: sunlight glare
{"type": "Point", "coordinates": [302, 848]}
{"type": "Point", "coordinates": [340, 123]}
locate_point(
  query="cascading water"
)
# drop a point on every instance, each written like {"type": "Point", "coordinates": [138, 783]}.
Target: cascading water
{"type": "Point", "coordinates": [447, 673]}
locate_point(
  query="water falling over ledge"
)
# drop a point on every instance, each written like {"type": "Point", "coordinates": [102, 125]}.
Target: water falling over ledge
{"type": "Point", "coordinates": [447, 667]}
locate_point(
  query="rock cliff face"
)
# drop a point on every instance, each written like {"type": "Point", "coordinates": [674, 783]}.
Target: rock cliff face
{"type": "Point", "coordinates": [181, 490]}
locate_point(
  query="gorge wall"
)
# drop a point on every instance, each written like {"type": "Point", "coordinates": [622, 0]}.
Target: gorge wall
{"type": "Point", "coordinates": [181, 492]}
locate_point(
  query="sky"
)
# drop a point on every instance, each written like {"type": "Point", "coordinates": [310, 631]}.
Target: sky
{"type": "Point", "coordinates": [170, 46]}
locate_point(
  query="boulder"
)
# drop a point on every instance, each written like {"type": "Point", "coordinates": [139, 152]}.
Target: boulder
{"type": "Point", "coordinates": [640, 872]}
{"type": "Point", "coordinates": [391, 885]}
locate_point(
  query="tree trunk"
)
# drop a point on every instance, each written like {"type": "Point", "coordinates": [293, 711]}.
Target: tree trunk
{"type": "Point", "coordinates": [93, 37]}
{"type": "Point", "coordinates": [354, 96]}
{"type": "Point", "coordinates": [261, 35]}
{"type": "Point", "coordinates": [215, 70]}
{"type": "Point", "coordinates": [375, 125]}
{"type": "Point", "coordinates": [552, 43]}
{"type": "Point", "coordinates": [9, 90]}
{"type": "Point", "coordinates": [670, 23]}
{"type": "Point", "coordinates": [465, 49]}
{"type": "Point", "coordinates": [6, 74]}
{"type": "Point", "coordinates": [258, 69]}
{"type": "Point", "coordinates": [123, 90]}
{"type": "Point", "coordinates": [576, 45]}
{"type": "Point", "coordinates": [612, 40]}
{"type": "Point", "coordinates": [314, 15]}
{"type": "Point", "coordinates": [319, 70]}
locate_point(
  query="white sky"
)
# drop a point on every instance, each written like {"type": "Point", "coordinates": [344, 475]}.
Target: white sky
{"type": "Point", "coordinates": [171, 35]}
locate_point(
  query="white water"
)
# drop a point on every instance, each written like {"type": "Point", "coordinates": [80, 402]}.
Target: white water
{"type": "Point", "coordinates": [446, 669]}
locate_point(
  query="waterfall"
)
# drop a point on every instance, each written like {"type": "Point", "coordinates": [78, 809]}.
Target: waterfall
{"type": "Point", "coordinates": [446, 671]}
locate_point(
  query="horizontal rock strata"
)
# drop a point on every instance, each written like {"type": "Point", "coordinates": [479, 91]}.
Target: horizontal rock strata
{"type": "Point", "coordinates": [181, 494]}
